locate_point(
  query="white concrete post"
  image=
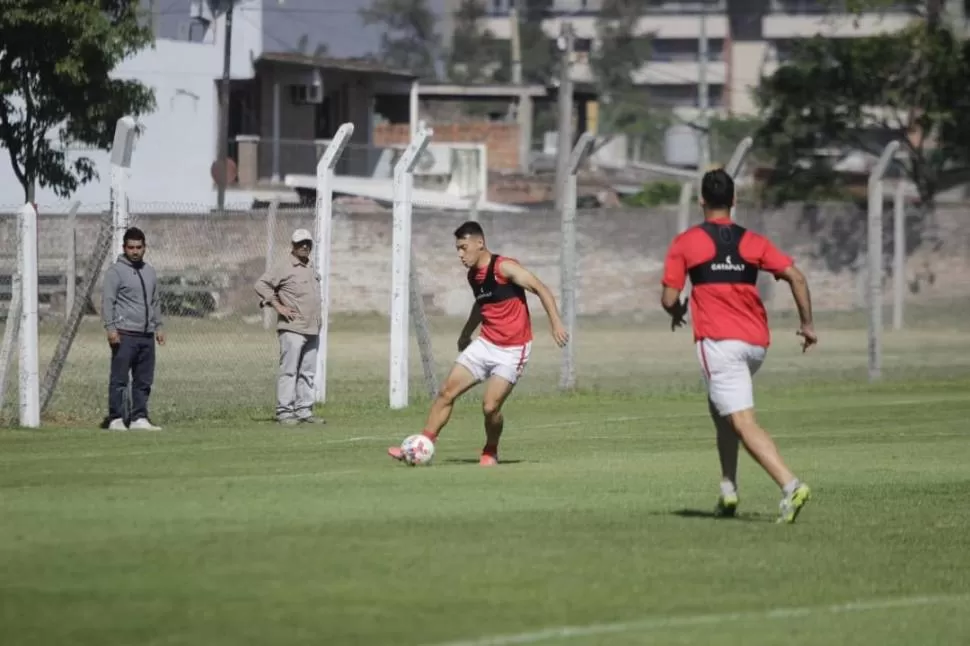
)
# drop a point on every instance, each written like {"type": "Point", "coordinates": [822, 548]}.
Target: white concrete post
{"type": "Point", "coordinates": [568, 257]}
{"type": "Point", "coordinates": [874, 254]}
{"type": "Point", "coordinates": [401, 265]}
{"type": "Point", "coordinates": [124, 142]}
{"type": "Point", "coordinates": [899, 254]}
{"type": "Point", "coordinates": [322, 241]}
{"type": "Point", "coordinates": [29, 359]}
{"type": "Point", "coordinates": [70, 275]}
{"type": "Point", "coordinates": [736, 161]}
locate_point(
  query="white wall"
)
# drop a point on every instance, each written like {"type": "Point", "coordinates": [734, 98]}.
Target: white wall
{"type": "Point", "coordinates": [172, 158]}
{"type": "Point", "coordinates": [748, 61]}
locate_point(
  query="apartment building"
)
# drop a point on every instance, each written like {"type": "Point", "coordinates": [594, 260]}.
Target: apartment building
{"type": "Point", "coordinates": [745, 39]}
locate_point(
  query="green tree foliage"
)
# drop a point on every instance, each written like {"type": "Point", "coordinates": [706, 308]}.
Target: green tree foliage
{"type": "Point", "coordinates": [619, 55]}
{"type": "Point", "coordinates": [539, 54]}
{"type": "Point", "coordinates": [655, 194]}
{"type": "Point", "coordinates": [409, 41]}
{"type": "Point", "coordinates": [861, 93]}
{"type": "Point", "coordinates": [475, 53]}
{"type": "Point", "coordinates": [55, 88]}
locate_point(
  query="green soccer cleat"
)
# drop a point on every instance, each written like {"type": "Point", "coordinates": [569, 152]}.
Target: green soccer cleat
{"type": "Point", "coordinates": [790, 506]}
{"type": "Point", "coordinates": [727, 505]}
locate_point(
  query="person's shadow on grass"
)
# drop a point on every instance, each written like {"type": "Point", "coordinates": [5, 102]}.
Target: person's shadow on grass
{"type": "Point", "coordinates": [748, 517]}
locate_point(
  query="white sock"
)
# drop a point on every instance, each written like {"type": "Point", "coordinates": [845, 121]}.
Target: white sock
{"type": "Point", "coordinates": [728, 488]}
{"type": "Point", "coordinates": [789, 488]}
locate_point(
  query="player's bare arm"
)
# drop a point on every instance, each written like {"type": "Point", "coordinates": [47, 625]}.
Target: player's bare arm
{"type": "Point", "coordinates": [670, 301]}
{"type": "Point", "coordinates": [525, 279]}
{"type": "Point", "coordinates": [474, 320]}
{"type": "Point", "coordinates": [803, 301]}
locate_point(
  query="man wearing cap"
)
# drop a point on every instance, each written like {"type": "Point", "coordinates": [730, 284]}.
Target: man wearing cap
{"type": "Point", "coordinates": [292, 288]}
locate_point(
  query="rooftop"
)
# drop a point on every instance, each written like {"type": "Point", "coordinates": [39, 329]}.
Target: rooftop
{"type": "Point", "coordinates": [354, 65]}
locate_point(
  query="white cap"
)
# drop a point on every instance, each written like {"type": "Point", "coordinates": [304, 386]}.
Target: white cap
{"type": "Point", "coordinates": [300, 235]}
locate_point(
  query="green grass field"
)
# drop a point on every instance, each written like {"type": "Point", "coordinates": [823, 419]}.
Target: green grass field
{"type": "Point", "coordinates": [225, 529]}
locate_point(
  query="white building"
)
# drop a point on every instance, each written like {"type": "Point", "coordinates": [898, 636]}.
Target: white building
{"type": "Point", "coordinates": [746, 39]}
{"type": "Point", "coordinates": [173, 157]}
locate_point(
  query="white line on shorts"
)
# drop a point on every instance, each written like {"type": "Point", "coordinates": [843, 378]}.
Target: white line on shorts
{"type": "Point", "coordinates": [689, 621]}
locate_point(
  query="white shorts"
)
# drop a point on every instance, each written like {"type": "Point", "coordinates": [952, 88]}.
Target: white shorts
{"type": "Point", "coordinates": [728, 367]}
{"type": "Point", "coordinates": [484, 359]}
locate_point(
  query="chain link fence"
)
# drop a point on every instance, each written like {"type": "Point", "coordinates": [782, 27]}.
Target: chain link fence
{"type": "Point", "coordinates": [220, 359]}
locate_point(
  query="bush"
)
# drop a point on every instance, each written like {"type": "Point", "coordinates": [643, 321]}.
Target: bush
{"type": "Point", "coordinates": [195, 296]}
{"type": "Point", "coordinates": [655, 194]}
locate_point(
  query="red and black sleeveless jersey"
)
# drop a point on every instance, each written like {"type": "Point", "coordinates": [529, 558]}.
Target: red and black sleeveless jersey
{"type": "Point", "coordinates": [722, 260]}
{"type": "Point", "coordinates": [505, 312]}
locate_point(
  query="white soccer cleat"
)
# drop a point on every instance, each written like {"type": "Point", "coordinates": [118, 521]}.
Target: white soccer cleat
{"type": "Point", "coordinates": [143, 425]}
{"type": "Point", "coordinates": [117, 425]}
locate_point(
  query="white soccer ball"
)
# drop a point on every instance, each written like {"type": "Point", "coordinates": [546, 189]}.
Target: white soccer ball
{"type": "Point", "coordinates": [418, 450]}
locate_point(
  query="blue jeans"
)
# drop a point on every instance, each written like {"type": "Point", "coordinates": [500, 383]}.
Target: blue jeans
{"type": "Point", "coordinates": [135, 354]}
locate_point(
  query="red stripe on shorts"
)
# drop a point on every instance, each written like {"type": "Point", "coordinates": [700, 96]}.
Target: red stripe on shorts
{"type": "Point", "coordinates": [707, 371]}
{"type": "Point", "coordinates": [518, 367]}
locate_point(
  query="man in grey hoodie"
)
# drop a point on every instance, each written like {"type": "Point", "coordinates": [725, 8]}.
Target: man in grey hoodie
{"type": "Point", "coordinates": [132, 317]}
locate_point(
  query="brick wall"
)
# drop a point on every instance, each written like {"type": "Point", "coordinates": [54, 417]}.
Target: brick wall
{"type": "Point", "coordinates": [500, 139]}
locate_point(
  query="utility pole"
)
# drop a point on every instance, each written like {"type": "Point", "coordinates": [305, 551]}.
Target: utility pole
{"type": "Point", "coordinates": [516, 46]}
{"type": "Point", "coordinates": [222, 172]}
{"type": "Point", "coordinates": [565, 141]}
{"type": "Point", "coordinates": [523, 107]}
{"type": "Point", "coordinates": [151, 18]}
{"type": "Point", "coordinates": [703, 98]}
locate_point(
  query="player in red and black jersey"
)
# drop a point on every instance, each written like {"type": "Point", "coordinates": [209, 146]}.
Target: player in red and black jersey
{"type": "Point", "coordinates": [500, 353]}
{"type": "Point", "coordinates": [730, 325]}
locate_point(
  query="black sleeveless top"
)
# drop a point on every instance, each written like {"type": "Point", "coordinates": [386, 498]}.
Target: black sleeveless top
{"type": "Point", "coordinates": [727, 266]}
{"type": "Point", "coordinates": [488, 290]}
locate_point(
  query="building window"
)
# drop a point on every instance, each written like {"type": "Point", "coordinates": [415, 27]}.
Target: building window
{"type": "Point", "coordinates": [816, 7]}
{"type": "Point", "coordinates": [683, 96]}
{"type": "Point", "coordinates": [572, 6]}
{"type": "Point", "coordinates": [684, 50]}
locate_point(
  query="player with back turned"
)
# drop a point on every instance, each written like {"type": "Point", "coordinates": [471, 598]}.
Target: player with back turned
{"type": "Point", "coordinates": [731, 333]}
{"type": "Point", "coordinates": [500, 353]}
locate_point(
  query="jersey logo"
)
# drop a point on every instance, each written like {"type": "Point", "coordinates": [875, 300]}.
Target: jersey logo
{"type": "Point", "coordinates": [727, 265]}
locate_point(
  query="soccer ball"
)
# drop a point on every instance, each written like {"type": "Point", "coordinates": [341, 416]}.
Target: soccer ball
{"type": "Point", "coordinates": [418, 450]}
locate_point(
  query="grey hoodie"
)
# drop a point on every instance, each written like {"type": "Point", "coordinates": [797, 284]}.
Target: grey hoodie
{"type": "Point", "coordinates": [129, 299]}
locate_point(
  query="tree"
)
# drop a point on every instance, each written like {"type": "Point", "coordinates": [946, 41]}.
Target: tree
{"type": "Point", "coordinates": [618, 56]}
{"type": "Point", "coordinates": [55, 88]}
{"type": "Point", "coordinates": [475, 53]}
{"type": "Point", "coordinates": [539, 55]}
{"type": "Point", "coordinates": [859, 94]}
{"type": "Point", "coordinates": [409, 41]}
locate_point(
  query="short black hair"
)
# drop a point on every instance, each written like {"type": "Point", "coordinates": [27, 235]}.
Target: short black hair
{"type": "Point", "coordinates": [470, 228]}
{"type": "Point", "coordinates": [134, 234]}
{"type": "Point", "coordinates": [717, 189]}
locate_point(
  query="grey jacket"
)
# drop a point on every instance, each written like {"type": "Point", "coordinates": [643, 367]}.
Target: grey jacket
{"type": "Point", "coordinates": [129, 300]}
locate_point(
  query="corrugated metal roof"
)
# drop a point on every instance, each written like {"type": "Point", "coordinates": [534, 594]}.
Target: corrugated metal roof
{"type": "Point", "coordinates": [357, 66]}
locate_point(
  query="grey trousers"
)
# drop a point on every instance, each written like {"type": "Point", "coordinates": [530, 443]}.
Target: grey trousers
{"type": "Point", "coordinates": [294, 383]}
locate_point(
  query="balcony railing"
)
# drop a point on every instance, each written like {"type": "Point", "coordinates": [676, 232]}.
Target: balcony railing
{"type": "Point", "coordinates": [575, 8]}
{"type": "Point", "coordinates": [822, 7]}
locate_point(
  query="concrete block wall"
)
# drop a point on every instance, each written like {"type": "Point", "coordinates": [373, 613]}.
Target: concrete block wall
{"type": "Point", "coordinates": [621, 254]}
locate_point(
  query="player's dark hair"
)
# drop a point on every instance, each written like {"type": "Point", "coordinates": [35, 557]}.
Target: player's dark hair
{"type": "Point", "coordinates": [469, 228]}
{"type": "Point", "coordinates": [717, 189]}
{"type": "Point", "coordinates": [134, 234]}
